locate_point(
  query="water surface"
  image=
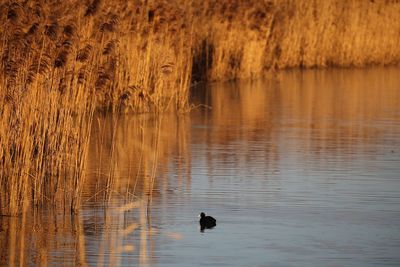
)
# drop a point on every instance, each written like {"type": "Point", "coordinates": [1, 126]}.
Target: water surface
{"type": "Point", "coordinates": [301, 169]}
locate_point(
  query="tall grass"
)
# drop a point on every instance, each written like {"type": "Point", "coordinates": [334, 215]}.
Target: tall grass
{"type": "Point", "coordinates": [243, 39]}
{"type": "Point", "coordinates": [62, 60]}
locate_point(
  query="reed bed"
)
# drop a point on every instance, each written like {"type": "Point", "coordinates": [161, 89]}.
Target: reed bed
{"type": "Point", "coordinates": [244, 39]}
{"type": "Point", "coordinates": [60, 61]}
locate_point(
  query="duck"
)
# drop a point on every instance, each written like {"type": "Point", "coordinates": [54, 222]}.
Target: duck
{"type": "Point", "coordinates": [206, 222]}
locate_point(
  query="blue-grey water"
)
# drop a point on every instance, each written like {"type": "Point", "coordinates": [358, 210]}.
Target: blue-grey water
{"type": "Point", "coordinates": [299, 169]}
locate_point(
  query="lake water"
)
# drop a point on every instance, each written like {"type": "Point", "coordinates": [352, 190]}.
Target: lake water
{"type": "Point", "coordinates": [300, 169]}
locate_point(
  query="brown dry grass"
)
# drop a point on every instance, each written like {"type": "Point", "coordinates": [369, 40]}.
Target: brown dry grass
{"type": "Point", "coordinates": [245, 38]}
{"type": "Point", "coordinates": [62, 60]}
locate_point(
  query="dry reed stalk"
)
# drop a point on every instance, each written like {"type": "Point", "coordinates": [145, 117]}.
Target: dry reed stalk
{"type": "Point", "coordinates": [45, 119]}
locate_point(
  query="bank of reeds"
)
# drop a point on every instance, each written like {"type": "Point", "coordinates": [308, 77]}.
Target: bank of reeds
{"type": "Point", "coordinates": [62, 60]}
{"type": "Point", "coordinates": [58, 63]}
{"type": "Point", "coordinates": [243, 39]}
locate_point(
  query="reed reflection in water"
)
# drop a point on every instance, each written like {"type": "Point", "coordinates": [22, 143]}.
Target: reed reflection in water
{"type": "Point", "coordinates": [299, 170]}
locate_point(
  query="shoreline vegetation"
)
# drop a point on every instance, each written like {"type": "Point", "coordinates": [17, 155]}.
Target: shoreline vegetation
{"type": "Point", "coordinates": [63, 60]}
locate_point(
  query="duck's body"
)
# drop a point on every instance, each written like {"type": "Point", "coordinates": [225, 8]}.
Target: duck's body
{"type": "Point", "coordinates": [207, 222]}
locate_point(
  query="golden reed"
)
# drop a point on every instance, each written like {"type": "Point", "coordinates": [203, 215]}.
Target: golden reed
{"type": "Point", "coordinates": [62, 60]}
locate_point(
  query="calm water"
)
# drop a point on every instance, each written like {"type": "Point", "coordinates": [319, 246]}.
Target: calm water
{"type": "Point", "coordinates": [299, 170]}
